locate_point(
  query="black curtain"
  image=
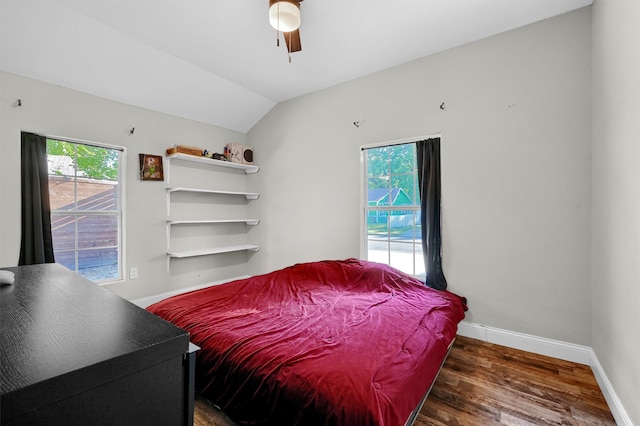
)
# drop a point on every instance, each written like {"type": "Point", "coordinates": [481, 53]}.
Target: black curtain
{"type": "Point", "coordinates": [36, 245]}
{"type": "Point", "coordinates": [430, 214]}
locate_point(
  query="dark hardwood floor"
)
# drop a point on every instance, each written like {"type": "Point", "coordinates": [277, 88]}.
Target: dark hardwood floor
{"type": "Point", "coordinates": [486, 384]}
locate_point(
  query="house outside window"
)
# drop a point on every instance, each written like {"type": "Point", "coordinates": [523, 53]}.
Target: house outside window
{"type": "Point", "coordinates": [85, 193]}
{"type": "Point", "coordinates": [392, 211]}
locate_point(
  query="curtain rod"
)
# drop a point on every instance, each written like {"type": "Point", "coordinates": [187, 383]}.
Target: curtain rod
{"type": "Point", "coordinates": [399, 141]}
{"type": "Point", "coordinates": [85, 142]}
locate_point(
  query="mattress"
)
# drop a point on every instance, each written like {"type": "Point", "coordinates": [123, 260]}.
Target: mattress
{"type": "Point", "coordinates": [338, 342]}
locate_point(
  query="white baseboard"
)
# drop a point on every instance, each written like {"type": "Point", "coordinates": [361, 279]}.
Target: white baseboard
{"type": "Point", "coordinates": [143, 302]}
{"type": "Point", "coordinates": [553, 348]}
{"type": "Point", "coordinates": [526, 342]}
{"type": "Point", "coordinates": [618, 411]}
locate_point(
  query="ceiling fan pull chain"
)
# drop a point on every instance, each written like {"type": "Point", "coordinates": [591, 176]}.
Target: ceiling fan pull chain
{"type": "Point", "coordinates": [278, 31]}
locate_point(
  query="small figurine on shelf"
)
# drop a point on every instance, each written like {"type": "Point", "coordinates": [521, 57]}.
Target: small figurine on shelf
{"type": "Point", "coordinates": [237, 153]}
{"type": "Point", "coordinates": [233, 152]}
{"type": "Point", "coordinates": [220, 157]}
{"type": "Point", "coordinates": [214, 155]}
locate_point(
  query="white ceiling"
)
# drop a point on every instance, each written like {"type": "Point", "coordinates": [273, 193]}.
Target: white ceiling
{"type": "Point", "coordinates": [217, 62]}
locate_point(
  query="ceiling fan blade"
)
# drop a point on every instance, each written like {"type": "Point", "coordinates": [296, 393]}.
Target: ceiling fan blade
{"type": "Point", "coordinates": [293, 41]}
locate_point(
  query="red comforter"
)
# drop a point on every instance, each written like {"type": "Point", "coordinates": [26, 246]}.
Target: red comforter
{"type": "Point", "coordinates": [335, 342]}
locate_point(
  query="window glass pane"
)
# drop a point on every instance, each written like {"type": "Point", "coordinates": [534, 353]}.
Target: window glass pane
{"type": "Point", "coordinates": [417, 229]}
{"type": "Point", "coordinates": [98, 190]}
{"type": "Point", "coordinates": [61, 192]}
{"type": "Point", "coordinates": [378, 251]}
{"type": "Point", "coordinates": [97, 236]}
{"type": "Point", "coordinates": [99, 264]}
{"type": "Point", "coordinates": [61, 158]}
{"type": "Point", "coordinates": [419, 260]}
{"type": "Point", "coordinates": [63, 230]}
{"type": "Point", "coordinates": [66, 258]}
{"type": "Point", "coordinates": [378, 182]}
{"type": "Point", "coordinates": [378, 162]}
{"type": "Point", "coordinates": [402, 256]}
{"type": "Point", "coordinates": [402, 159]}
{"type": "Point", "coordinates": [95, 195]}
{"type": "Point", "coordinates": [377, 225]}
{"type": "Point", "coordinates": [98, 163]}
{"type": "Point", "coordinates": [97, 231]}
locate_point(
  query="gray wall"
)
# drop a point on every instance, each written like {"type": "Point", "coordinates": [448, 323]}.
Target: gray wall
{"type": "Point", "coordinates": [615, 263]}
{"type": "Point", "coordinates": [52, 110]}
{"type": "Point", "coordinates": [516, 171]}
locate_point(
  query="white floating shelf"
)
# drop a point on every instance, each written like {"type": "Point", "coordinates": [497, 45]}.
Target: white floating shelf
{"type": "Point", "coordinates": [170, 223]}
{"type": "Point", "coordinates": [247, 195]}
{"type": "Point", "coordinates": [212, 250]}
{"type": "Point", "coordinates": [208, 251]}
{"type": "Point", "coordinates": [198, 222]}
{"type": "Point", "coordinates": [186, 157]}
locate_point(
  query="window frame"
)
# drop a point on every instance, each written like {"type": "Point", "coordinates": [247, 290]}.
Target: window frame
{"type": "Point", "coordinates": [119, 213]}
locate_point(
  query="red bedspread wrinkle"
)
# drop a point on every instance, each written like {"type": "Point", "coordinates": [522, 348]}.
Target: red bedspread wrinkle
{"type": "Point", "coordinates": [334, 342]}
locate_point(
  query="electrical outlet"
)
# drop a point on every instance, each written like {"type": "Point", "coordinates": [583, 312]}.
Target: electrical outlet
{"type": "Point", "coordinates": [133, 273]}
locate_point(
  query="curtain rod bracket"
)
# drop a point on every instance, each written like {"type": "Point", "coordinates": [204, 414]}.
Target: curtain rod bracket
{"type": "Point", "coordinates": [359, 123]}
{"type": "Point", "coordinates": [442, 106]}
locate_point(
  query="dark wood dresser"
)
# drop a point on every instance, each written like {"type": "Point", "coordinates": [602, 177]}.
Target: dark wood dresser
{"type": "Point", "coordinates": [74, 353]}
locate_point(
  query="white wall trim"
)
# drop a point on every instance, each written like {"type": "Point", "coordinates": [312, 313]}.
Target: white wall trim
{"type": "Point", "coordinates": [526, 342]}
{"type": "Point", "coordinates": [143, 302]}
{"type": "Point", "coordinates": [553, 348]}
{"type": "Point", "coordinates": [615, 405]}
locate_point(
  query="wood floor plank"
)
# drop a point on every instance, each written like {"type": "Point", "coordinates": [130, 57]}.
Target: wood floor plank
{"type": "Point", "coordinates": [487, 384]}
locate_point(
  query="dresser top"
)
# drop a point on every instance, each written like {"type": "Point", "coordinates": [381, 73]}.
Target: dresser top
{"type": "Point", "coordinates": [57, 325]}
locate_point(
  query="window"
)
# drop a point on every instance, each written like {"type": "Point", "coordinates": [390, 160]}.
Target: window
{"type": "Point", "coordinates": [392, 210]}
{"type": "Point", "coordinates": [86, 208]}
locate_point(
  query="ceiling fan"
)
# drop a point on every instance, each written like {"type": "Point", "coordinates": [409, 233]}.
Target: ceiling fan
{"type": "Point", "coordinates": [284, 16]}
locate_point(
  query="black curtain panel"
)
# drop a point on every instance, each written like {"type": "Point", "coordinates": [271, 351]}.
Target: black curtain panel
{"type": "Point", "coordinates": [36, 245]}
{"type": "Point", "coordinates": [430, 193]}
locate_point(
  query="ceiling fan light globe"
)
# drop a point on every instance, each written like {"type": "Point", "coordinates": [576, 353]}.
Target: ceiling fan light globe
{"type": "Point", "coordinates": [284, 16]}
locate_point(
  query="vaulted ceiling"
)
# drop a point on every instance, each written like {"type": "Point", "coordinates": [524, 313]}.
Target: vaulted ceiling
{"type": "Point", "coordinates": [217, 62]}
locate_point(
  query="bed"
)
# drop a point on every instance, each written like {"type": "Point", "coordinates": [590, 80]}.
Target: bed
{"type": "Point", "coordinates": [338, 342]}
